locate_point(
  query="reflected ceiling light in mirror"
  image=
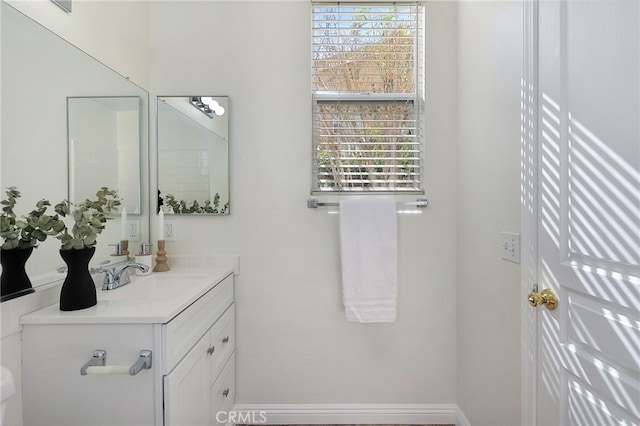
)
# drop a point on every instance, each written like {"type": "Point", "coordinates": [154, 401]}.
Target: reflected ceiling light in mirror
{"type": "Point", "coordinates": [208, 105]}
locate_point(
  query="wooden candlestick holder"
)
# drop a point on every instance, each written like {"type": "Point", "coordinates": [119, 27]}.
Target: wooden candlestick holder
{"type": "Point", "coordinates": [161, 258]}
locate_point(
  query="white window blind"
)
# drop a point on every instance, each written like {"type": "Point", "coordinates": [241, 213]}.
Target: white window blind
{"type": "Point", "coordinates": [367, 97]}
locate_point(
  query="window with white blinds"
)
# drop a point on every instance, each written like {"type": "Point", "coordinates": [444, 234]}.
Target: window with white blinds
{"type": "Point", "coordinates": [367, 97]}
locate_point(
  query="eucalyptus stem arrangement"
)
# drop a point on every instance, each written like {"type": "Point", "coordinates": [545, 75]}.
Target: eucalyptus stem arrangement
{"type": "Point", "coordinates": [89, 216]}
{"type": "Point", "coordinates": [20, 236]}
{"type": "Point", "coordinates": [29, 231]}
{"type": "Point", "coordinates": [183, 207]}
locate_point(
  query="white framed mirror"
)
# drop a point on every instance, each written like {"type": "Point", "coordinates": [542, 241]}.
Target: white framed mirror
{"type": "Point", "coordinates": [193, 155]}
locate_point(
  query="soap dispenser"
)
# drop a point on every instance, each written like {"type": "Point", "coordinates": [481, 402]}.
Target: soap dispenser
{"type": "Point", "coordinates": [118, 254]}
{"type": "Point", "coordinates": [144, 258]}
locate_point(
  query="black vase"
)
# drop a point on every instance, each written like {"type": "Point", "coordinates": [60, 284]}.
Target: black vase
{"type": "Point", "coordinates": [78, 289]}
{"type": "Point", "coordinates": [14, 281]}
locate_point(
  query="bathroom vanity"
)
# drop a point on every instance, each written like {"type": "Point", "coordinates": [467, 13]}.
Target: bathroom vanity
{"type": "Point", "coordinates": [184, 317]}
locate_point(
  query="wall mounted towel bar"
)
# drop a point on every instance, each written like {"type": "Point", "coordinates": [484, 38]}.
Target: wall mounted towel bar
{"type": "Point", "coordinates": [313, 203]}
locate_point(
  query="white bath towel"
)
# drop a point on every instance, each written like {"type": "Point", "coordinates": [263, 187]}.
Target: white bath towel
{"type": "Point", "coordinates": [369, 256]}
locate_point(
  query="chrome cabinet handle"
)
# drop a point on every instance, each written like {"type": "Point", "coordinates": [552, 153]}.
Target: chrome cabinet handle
{"type": "Point", "coordinates": [211, 350]}
{"type": "Point", "coordinates": [143, 362]}
{"type": "Point", "coordinates": [225, 340]}
{"type": "Point", "coordinates": [99, 359]}
{"type": "Point", "coordinates": [225, 392]}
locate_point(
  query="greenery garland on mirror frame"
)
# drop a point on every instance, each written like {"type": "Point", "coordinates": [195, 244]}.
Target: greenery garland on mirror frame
{"type": "Point", "coordinates": [182, 207]}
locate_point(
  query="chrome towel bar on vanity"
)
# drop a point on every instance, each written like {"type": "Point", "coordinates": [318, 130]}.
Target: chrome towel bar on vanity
{"type": "Point", "coordinates": [98, 364]}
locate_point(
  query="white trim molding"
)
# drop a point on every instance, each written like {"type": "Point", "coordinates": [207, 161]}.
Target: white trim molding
{"type": "Point", "coordinates": [353, 413]}
{"type": "Point", "coordinates": [529, 211]}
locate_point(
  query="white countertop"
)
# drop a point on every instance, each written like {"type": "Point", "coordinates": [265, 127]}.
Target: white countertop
{"type": "Point", "coordinates": [154, 298]}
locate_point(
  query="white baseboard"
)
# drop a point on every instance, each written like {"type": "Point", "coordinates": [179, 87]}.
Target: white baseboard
{"type": "Point", "coordinates": [461, 419]}
{"type": "Point", "coordinates": [351, 414]}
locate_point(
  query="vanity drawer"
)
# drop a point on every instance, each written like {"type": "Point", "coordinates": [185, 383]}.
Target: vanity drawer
{"type": "Point", "coordinates": [223, 393]}
{"type": "Point", "coordinates": [181, 333]}
{"type": "Point", "coordinates": [223, 341]}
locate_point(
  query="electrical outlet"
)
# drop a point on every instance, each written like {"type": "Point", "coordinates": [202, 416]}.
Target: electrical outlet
{"type": "Point", "coordinates": [511, 247]}
{"type": "Point", "coordinates": [133, 230]}
{"type": "Point", "coordinates": [169, 230]}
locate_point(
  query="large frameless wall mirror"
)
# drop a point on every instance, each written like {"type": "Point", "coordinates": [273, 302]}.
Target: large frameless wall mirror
{"type": "Point", "coordinates": [34, 144]}
{"type": "Point", "coordinates": [193, 155]}
{"type": "Point", "coordinates": [104, 148]}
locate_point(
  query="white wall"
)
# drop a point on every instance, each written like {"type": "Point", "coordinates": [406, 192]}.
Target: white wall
{"type": "Point", "coordinates": [457, 334]}
{"type": "Point", "coordinates": [114, 32]}
{"type": "Point", "coordinates": [294, 344]}
{"type": "Point", "coordinates": [488, 302]}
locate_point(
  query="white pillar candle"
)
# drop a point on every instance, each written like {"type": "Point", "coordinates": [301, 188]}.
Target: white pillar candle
{"type": "Point", "coordinates": [125, 235]}
{"type": "Point", "coordinates": [161, 225]}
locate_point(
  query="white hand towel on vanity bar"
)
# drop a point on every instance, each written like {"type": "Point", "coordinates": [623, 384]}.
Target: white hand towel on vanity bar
{"type": "Point", "coordinates": [369, 257]}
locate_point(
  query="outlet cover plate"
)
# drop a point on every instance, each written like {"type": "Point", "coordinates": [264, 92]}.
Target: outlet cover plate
{"type": "Point", "coordinates": [169, 230]}
{"type": "Point", "coordinates": [133, 230]}
{"type": "Point", "coordinates": [511, 247]}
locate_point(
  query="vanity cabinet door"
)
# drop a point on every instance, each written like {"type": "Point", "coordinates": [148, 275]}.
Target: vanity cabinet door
{"type": "Point", "coordinates": [186, 389]}
{"type": "Point", "coordinates": [201, 376]}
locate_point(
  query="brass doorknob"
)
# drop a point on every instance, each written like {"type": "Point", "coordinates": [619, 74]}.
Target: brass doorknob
{"type": "Point", "coordinates": [546, 298]}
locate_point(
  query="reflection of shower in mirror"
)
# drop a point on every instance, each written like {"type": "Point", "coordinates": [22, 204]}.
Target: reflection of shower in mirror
{"type": "Point", "coordinates": [104, 147]}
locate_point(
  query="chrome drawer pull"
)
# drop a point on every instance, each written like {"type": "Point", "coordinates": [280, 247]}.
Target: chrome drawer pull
{"type": "Point", "coordinates": [225, 392]}
{"type": "Point", "coordinates": [225, 340]}
{"type": "Point", "coordinates": [211, 350]}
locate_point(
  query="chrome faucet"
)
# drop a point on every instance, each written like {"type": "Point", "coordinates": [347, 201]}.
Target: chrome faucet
{"type": "Point", "coordinates": [114, 278]}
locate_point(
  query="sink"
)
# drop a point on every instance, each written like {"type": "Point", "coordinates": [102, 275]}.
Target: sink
{"type": "Point", "coordinates": [154, 287]}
